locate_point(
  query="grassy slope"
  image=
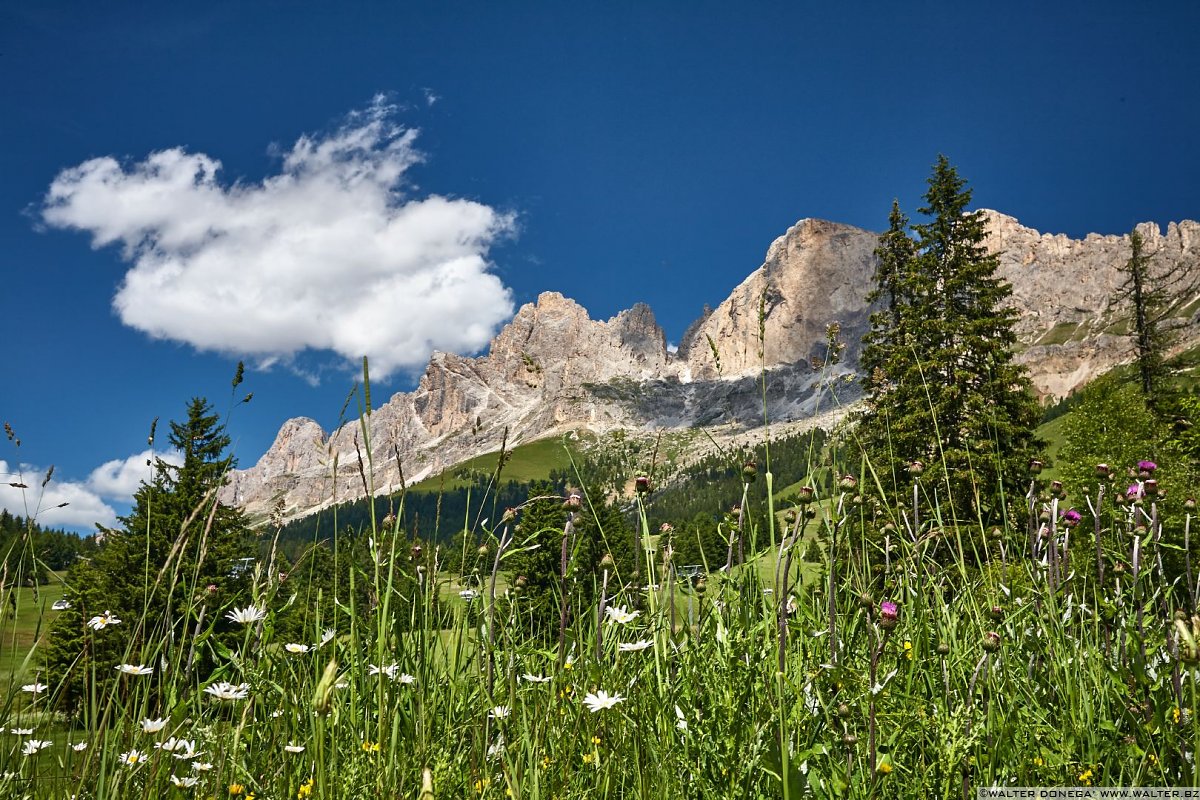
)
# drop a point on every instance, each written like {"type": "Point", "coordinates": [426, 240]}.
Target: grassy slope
{"type": "Point", "coordinates": [21, 626]}
{"type": "Point", "coordinates": [527, 462]}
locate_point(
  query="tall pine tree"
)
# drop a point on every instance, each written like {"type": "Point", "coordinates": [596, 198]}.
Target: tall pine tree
{"type": "Point", "coordinates": [179, 559]}
{"type": "Point", "coordinates": [942, 385]}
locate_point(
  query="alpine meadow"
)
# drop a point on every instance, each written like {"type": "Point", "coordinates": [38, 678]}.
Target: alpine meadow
{"type": "Point", "coordinates": [927, 584]}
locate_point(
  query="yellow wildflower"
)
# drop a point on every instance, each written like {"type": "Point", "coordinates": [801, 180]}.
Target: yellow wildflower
{"type": "Point", "coordinates": [1153, 759]}
{"type": "Point", "coordinates": [595, 740]}
{"type": "Point", "coordinates": [1176, 714]}
{"type": "Point", "coordinates": [885, 767]}
{"type": "Point", "coordinates": [908, 650]}
{"type": "Point", "coordinates": [588, 758]}
{"type": "Point", "coordinates": [1085, 777]}
{"type": "Point", "coordinates": [305, 789]}
{"type": "Point", "coordinates": [1038, 762]}
{"type": "Point", "coordinates": [236, 789]}
{"type": "Point", "coordinates": [370, 747]}
{"type": "Point", "coordinates": [480, 785]}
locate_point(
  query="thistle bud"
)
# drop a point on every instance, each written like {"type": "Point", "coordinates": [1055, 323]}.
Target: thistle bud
{"type": "Point", "coordinates": [573, 502]}
{"type": "Point", "coordinates": [848, 483]}
{"type": "Point", "coordinates": [943, 649]}
{"type": "Point", "coordinates": [997, 533]}
{"type": "Point", "coordinates": [843, 711]}
{"type": "Point", "coordinates": [991, 641]}
{"type": "Point", "coordinates": [389, 521]}
{"type": "Point", "coordinates": [790, 517]}
{"type": "Point", "coordinates": [482, 551]}
{"type": "Point", "coordinates": [889, 615]}
{"type": "Point", "coordinates": [1056, 489]}
{"type": "Point", "coordinates": [749, 472]}
{"type": "Point", "coordinates": [1118, 568]}
{"type": "Point", "coordinates": [415, 552]}
{"type": "Point", "coordinates": [1190, 504]}
{"type": "Point", "coordinates": [1150, 487]}
{"type": "Point", "coordinates": [641, 484]}
{"type": "Point", "coordinates": [1035, 466]}
{"type": "Point", "coordinates": [849, 739]}
{"type": "Point", "coordinates": [521, 582]}
{"type": "Point", "coordinates": [996, 613]}
{"type": "Point", "coordinates": [1102, 470]}
{"type": "Point", "coordinates": [607, 561]}
{"type": "Point", "coordinates": [866, 601]}
{"type": "Point", "coordinates": [805, 495]}
{"type": "Point", "coordinates": [915, 468]}
{"type": "Point", "coordinates": [700, 586]}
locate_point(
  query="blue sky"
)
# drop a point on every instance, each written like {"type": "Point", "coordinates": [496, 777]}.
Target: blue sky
{"type": "Point", "coordinates": [399, 176]}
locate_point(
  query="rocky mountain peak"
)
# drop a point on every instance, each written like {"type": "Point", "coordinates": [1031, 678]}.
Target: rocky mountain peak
{"type": "Point", "coordinates": [553, 369]}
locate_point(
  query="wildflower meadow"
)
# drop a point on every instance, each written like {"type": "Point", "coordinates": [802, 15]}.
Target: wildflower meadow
{"type": "Point", "coordinates": [869, 647]}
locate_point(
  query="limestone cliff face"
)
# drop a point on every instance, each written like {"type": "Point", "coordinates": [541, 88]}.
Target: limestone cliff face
{"type": "Point", "coordinates": [554, 369]}
{"type": "Point", "coordinates": [817, 273]}
{"type": "Point", "coordinates": [1063, 289]}
{"type": "Point", "coordinates": [533, 382]}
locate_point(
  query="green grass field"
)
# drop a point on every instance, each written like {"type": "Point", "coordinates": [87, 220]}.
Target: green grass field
{"type": "Point", "coordinates": [23, 621]}
{"type": "Point", "coordinates": [527, 462]}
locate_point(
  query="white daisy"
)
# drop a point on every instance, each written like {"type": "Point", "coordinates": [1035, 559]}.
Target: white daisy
{"type": "Point", "coordinates": [186, 782]}
{"type": "Point", "coordinates": [620, 614]}
{"type": "Point", "coordinates": [292, 647]}
{"type": "Point", "coordinates": [33, 745]}
{"type": "Point", "coordinates": [201, 766]}
{"type": "Point", "coordinates": [21, 731]}
{"type": "Point", "coordinates": [177, 746]}
{"type": "Point", "coordinates": [34, 688]}
{"type": "Point", "coordinates": [535, 678]}
{"type": "Point", "coordinates": [389, 670]}
{"type": "Point", "coordinates": [406, 679]}
{"type": "Point", "coordinates": [294, 748]}
{"type": "Point", "coordinates": [223, 690]}
{"type": "Point", "coordinates": [133, 758]}
{"type": "Point", "coordinates": [601, 700]}
{"type": "Point", "coordinates": [468, 594]}
{"type": "Point", "coordinates": [103, 621]}
{"type": "Point", "coordinates": [135, 669]}
{"type": "Point", "coordinates": [153, 725]}
{"type": "Point", "coordinates": [248, 615]}
{"type": "Point", "coordinates": [327, 637]}
{"type": "Point", "coordinates": [634, 647]}
{"type": "Point", "coordinates": [79, 747]}
{"type": "Point", "coordinates": [499, 712]}
{"type": "Point", "coordinates": [60, 605]}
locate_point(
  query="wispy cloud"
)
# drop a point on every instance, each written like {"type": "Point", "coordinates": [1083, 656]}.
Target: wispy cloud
{"type": "Point", "coordinates": [332, 253]}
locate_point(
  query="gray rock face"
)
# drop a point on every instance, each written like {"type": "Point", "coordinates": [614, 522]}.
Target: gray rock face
{"type": "Point", "coordinates": [553, 369]}
{"type": "Point", "coordinates": [1063, 289]}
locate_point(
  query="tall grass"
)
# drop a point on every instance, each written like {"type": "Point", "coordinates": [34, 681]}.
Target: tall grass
{"type": "Point", "coordinates": [903, 664]}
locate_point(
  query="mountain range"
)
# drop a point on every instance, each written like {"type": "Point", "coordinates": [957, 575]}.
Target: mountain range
{"type": "Point", "coordinates": [763, 352]}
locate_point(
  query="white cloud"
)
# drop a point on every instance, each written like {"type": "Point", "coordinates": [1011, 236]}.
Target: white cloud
{"type": "Point", "coordinates": [78, 505]}
{"type": "Point", "coordinates": [60, 504]}
{"type": "Point", "coordinates": [333, 253]}
{"type": "Point", "coordinates": [119, 479]}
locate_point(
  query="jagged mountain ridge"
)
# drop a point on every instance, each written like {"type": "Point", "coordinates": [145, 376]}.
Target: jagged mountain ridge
{"type": "Point", "coordinates": [553, 369]}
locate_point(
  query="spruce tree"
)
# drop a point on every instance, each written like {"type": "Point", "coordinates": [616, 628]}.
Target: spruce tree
{"type": "Point", "coordinates": [179, 558]}
{"type": "Point", "coordinates": [944, 388]}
